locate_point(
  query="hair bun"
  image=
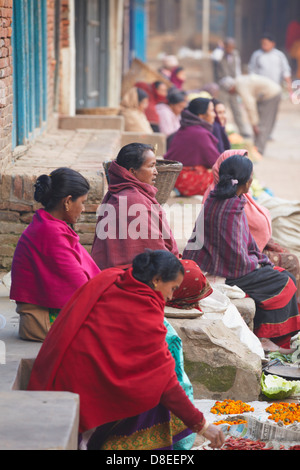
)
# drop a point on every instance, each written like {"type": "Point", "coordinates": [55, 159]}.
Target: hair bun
{"type": "Point", "coordinates": [43, 188]}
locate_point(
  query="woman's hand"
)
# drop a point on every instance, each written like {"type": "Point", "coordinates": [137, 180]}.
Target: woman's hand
{"type": "Point", "coordinates": [215, 435]}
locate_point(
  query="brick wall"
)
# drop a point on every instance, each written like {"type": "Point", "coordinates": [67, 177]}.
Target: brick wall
{"type": "Point", "coordinates": [17, 207]}
{"type": "Point", "coordinates": [6, 83]}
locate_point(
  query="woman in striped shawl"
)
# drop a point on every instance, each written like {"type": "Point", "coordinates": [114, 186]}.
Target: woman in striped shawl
{"type": "Point", "coordinates": [230, 251]}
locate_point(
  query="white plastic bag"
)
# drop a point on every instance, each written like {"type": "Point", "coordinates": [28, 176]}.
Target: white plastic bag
{"type": "Point", "coordinates": [218, 306]}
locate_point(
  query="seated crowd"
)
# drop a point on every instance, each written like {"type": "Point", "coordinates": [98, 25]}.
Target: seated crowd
{"type": "Point", "coordinates": [100, 316]}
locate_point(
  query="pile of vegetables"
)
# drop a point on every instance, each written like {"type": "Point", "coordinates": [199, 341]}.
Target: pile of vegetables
{"type": "Point", "coordinates": [277, 388]}
{"type": "Point", "coordinates": [287, 413]}
{"type": "Point", "coordinates": [227, 407]}
{"type": "Point", "coordinates": [241, 443]}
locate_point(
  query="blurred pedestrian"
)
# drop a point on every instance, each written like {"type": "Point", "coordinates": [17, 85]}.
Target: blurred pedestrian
{"type": "Point", "coordinates": [133, 106]}
{"type": "Point", "coordinates": [169, 63]}
{"type": "Point", "coordinates": [170, 112]}
{"type": "Point", "coordinates": [292, 43]}
{"type": "Point", "coordinates": [219, 127]}
{"type": "Point", "coordinates": [261, 97]}
{"type": "Point", "coordinates": [228, 67]}
{"type": "Point", "coordinates": [271, 62]}
{"type": "Point", "coordinates": [157, 93]}
{"type": "Point", "coordinates": [178, 77]}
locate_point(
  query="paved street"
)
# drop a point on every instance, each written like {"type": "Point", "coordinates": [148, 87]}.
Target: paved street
{"type": "Point", "coordinates": [280, 168]}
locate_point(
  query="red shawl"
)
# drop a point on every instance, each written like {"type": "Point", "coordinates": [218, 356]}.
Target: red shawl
{"type": "Point", "coordinates": [108, 345]}
{"type": "Point", "coordinates": [49, 263]}
{"type": "Point", "coordinates": [154, 99]}
{"type": "Point", "coordinates": [133, 208]}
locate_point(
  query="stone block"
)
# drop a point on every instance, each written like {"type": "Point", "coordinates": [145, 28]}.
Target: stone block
{"type": "Point", "coordinates": [247, 309]}
{"type": "Point", "coordinates": [151, 139]}
{"type": "Point", "coordinates": [91, 122]}
{"type": "Point", "coordinates": [39, 420]}
{"type": "Point", "coordinates": [217, 363]}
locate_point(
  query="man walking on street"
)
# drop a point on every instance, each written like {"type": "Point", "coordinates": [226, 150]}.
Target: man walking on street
{"type": "Point", "coordinates": [270, 62]}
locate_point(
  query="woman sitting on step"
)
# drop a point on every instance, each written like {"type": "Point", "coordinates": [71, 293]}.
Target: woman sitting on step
{"type": "Point", "coordinates": [131, 220]}
{"type": "Point", "coordinates": [49, 262]}
{"type": "Point", "coordinates": [230, 251]}
{"type": "Point", "coordinates": [130, 397]}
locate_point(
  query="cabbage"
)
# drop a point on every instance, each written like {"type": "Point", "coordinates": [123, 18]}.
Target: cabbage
{"type": "Point", "coordinates": [277, 388]}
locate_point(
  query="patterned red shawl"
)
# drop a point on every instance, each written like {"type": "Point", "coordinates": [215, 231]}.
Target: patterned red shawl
{"type": "Point", "coordinates": [133, 208]}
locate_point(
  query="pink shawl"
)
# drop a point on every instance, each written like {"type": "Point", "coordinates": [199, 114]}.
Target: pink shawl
{"type": "Point", "coordinates": [49, 263]}
{"type": "Point", "coordinates": [258, 217]}
{"type": "Point", "coordinates": [130, 220]}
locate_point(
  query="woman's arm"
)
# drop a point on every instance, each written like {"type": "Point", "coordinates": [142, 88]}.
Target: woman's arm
{"type": "Point", "coordinates": [176, 400]}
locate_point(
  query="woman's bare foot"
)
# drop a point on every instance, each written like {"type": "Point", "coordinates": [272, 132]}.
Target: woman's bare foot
{"type": "Point", "coordinates": [269, 346]}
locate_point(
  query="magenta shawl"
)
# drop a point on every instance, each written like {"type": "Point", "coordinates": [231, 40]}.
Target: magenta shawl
{"type": "Point", "coordinates": [130, 220]}
{"type": "Point", "coordinates": [49, 263]}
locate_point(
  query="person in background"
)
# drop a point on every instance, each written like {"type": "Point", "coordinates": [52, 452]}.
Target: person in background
{"type": "Point", "coordinates": [261, 97]}
{"type": "Point", "coordinates": [230, 251]}
{"type": "Point", "coordinates": [219, 127]}
{"type": "Point", "coordinates": [169, 63]}
{"type": "Point", "coordinates": [130, 396]}
{"type": "Point", "coordinates": [170, 112]}
{"type": "Point", "coordinates": [270, 62]}
{"type": "Point", "coordinates": [49, 263]}
{"type": "Point", "coordinates": [133, 106]}
{"type": "Point", "coordinates": [178, 77]}
{"type": "Point", "coordinates": [195, 146]}
{"type": "Point", "coordinates": [292, 43]}
{"type": "Point", "coordinates": [227, 68]}
{"type": "Point", "coordinates": [157, 93]}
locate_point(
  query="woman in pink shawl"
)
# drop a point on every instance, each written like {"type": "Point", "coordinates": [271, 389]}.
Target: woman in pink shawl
{"type": "Point", "coordinates": [49, 263]}
{"type": "Point", "coordinates": [131, 221]}
{"type": "Point", "coordinates": [260, 225]}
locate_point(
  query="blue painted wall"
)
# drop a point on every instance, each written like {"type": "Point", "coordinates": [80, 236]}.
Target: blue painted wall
{"type": "Point", "coordinates": [29, 43]}
{"type": "Point", "coordinates": [138, 30]}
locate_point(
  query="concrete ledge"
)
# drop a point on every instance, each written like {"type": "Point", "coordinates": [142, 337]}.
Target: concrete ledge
{"type": "Point", "coordinates": [91, 122]}
{"type": "Point", "coordinates": [152, 139]}
{"type": "Point", "coordinates": [39, 420]}
{"type": "Point", "coordinates": [8, 374]}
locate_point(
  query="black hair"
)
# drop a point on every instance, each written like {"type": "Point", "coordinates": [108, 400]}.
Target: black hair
{"type": "Point", "coordinates": [178, 69]}
{"type": "Point", "coordinates": [157, 83]}
{"type": "Point", "coordinates": [142, 94]}
{"type": "Point", "coordinates": [175, 96]}
{"type": "Point", "coordinates": [63, 182]}
{"type": "Point", "coordinates": [199, 105]}
{"type": "Point", "coordinates": [216, 102]}
{"type": "Point", "coordinates": [161, 263]}
{"type": "Point", "coordinates": [133, 155]}
{"type": "Point", "coordinates": [234, 171]}
{"type": "Point", "coordinates": [268, 36]}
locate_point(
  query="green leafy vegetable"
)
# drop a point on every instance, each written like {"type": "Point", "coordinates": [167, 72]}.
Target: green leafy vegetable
{"type": "Point", "coordinates": [277, 388]}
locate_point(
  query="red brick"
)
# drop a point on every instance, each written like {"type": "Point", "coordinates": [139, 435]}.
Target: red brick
{"type": "Point", "coordinates": [17, 187]}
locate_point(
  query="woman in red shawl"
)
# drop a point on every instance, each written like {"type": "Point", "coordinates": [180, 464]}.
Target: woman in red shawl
{"type": "Point", "coordinates": [130, 219]}
{"type": "Point", "coordinates": [260, 225]}
{"type": "Point", "coordinates": [157, 93]}
{"type": "Point", "coordinates": [49, 263]}
{"type": "Point", "coordinates": [108, 345]}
